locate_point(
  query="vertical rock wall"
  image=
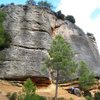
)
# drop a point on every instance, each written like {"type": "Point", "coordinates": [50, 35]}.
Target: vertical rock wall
{"type": "Point", "coordinates": [31, 29]}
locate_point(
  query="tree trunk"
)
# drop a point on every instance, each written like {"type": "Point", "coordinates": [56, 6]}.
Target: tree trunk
{"type": "Point", "coordinates": [56, 91]}
{"type": "Point", "coordinates": [50, 76]}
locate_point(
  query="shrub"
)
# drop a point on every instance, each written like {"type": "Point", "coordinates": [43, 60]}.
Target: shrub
{"type": "Point", "coordinates": [29, 87]}
{"type": "Point", "coordinates": [31, 97]}
{"type": "Point", "coordinates": [28, 92]}
{"type": "Point", "coordinates": [97, 96]}
{"type": "Point", "coordinates": [5, 41]}
{"type": "Point", "coordinates": [53, 98]}
{"type": "Point", "coordinates": [87, 78]}
{"type": "Point", "coordinates": [70, 18]}
{"type": "Point", "coordinates": [88, 93]}
{"type": "Point", "coordinates": [12, 96]}
{"type": "Point", "coordinates": [12, 3]}
{"type": "Point", "coordinates": [45, 4]}
{"type": "Point", "coordinates": [60, 15]}
{"type": "Point", "coordinates": [34, 97]}
{"type": "Point", "coordinates": [2, 5]}
{"type": "Point", "coordinates": [71, 98]}
{"type": "Point", "coordinates": [89, 98]}
{"type": "Point", "coordinates": [86, 81]}
{"type": "Point", "coordinates": [30, 2]}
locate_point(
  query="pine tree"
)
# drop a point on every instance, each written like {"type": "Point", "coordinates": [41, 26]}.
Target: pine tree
{"type": "Point", "coordinates": [87, 78]}
{"type": "Point", "coordinates": [61, 59]}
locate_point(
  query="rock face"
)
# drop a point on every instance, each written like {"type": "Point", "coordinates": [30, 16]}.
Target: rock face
{"type": "Point", "coordinates": [31, 29]}
{"type": "Point", "coordinates": [84, 46]}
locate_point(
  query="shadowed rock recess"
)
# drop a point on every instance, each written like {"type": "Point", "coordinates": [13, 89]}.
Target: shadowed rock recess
{"type": "Point", "coordinates": [31, 29]}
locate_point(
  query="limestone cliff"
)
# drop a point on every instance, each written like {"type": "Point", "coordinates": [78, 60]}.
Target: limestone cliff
{"type": "Point", "coordinates": [31, 29]}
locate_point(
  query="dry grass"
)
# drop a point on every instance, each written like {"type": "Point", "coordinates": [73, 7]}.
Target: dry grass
{"type": "Point", "coordinates": [49, 92]}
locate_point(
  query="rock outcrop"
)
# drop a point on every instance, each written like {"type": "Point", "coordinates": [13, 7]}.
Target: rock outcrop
{"type": "Point", "coordinates": [31, 29]}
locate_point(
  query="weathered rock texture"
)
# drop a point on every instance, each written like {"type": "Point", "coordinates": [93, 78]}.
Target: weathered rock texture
{"type": "Point", "coordinates": [31, 29]}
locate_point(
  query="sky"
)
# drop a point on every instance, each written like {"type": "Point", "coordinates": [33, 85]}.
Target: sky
{"type": "Point", "coordinates": [85, 12]}
{"type": "Point", "coordinates": [54, 2]}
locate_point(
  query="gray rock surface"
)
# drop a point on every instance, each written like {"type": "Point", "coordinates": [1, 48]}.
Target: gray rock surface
{"type": "Point", "coordinates": [31, 29]}
{"type": "Point", "coordinates": [84, 47]}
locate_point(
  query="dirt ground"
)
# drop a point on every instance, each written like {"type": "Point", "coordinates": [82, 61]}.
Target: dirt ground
{"type": "Point", "coordinates": [9, 87]}
{"type": "Point", "coordinates": [50, 92]}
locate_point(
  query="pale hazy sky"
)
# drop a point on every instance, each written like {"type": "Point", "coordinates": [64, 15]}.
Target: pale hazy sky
{"type": "Point", "coordinates": [86, 13]}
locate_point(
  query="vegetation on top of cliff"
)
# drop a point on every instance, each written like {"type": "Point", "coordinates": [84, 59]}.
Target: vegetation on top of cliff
{"type": "Point", "coordinates": [70, 18]}
{"type": "Point", "coordinates": [2, 5]}
{"type": "Point", "coordinates": [60, 15]}
{"type": "Point", "coordinates": [5, 38]}
{"type": "Point", "coordinates": [44, 4]}
{"type": "Point", "coordinates": [61, 59]}
{"type": "Point", "coordinates": [47, 5]}
{"type": "Point", "coordinates": [30, 2]}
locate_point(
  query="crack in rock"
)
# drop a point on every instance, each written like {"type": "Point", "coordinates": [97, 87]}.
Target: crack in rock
{"type": "Point", "coordinates": [28, 47]}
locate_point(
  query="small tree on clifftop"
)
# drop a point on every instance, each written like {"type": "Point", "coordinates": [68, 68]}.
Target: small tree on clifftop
{"type": "Point", "coordinates": [30, 2]}
{"type": "Point", "coordinates": [60, 59]}
{"type": "Point", "coordinates": [70, 18]}
{"type": "Point", "coordinates": [45, 4]}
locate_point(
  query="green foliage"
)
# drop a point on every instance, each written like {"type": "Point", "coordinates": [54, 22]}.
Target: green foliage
{"type": "Point", "coordinates": [2, 16]}
{"type": "Point", "coordinates": [87, 93]}
{"type": "Point", "coordinates": [5, 38]}
{"type": "Point", "coordinates": [12, 96]}
{"type": "Point", "coordinates": [61, 56]}
{"type": "Point", "coordinates": [71, 98]}
{"type": "Point", "coordinates": [31, 97]}
{"type": "Point", "coordinates": [97, 96]}
{"type": "Point", "coordinates": [30, 2]}
{"type": "Point", "coordinates": [83, 68]}
{"type": "Point", "coordinates": [60, 59]}
{"type": "Point", "coordinates": [2, 5]}
{"type": "Point", "coordinates": [59, 98]}
{"type": "Point", "coordinates": [70, 18]}
{"type": "Point", "coordinates": [12, 3]}
{"type": "Point", "coordinates": [45, 4]}
{"type": "Point", "coordinates": [29, 87]}
{"type": "Point", "coordinates": [28, 92]}
{"type": "Point", "coordinates": [86, 81]}
{"type": "Point", "coordinates": [60, 15]}
{"type": "Point", "coordinates": [89, 98]}
{"type": "Point", "coordinates": [87, 78]}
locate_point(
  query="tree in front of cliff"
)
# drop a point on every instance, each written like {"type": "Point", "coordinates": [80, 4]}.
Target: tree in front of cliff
{"type": "Point", "coordinates": [5, 39]}
{"type": "Point", "coordinates": [61, 59]}
{"type": "Point", "coordinates": [86, 79]}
